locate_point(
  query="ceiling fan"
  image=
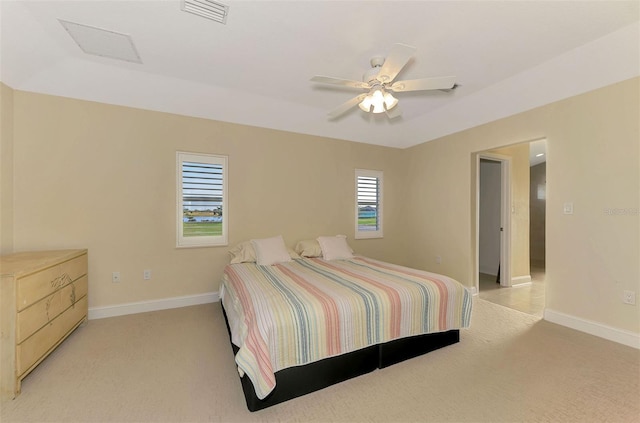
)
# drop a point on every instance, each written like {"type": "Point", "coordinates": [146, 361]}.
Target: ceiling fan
{"type": "Point", "coordinates": [379, 83]}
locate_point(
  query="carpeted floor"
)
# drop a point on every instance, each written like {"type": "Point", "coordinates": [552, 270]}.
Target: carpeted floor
{"type": "Point", "coordinates": [177, 366]}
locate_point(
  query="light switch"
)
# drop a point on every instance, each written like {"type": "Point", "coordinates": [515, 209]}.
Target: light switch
{"type": "Point", "coordinates": [568, 208]}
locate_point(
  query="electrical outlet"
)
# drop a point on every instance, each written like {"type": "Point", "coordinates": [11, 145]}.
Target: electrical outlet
{"type": "Point", "coordinates": [147, 274]}
{"type": "Point", "coordinates": [439, 259]}
{"type": "Point", "coordinates": [629, 297]}
{"type": "Point", "coordinates": [115, 277]}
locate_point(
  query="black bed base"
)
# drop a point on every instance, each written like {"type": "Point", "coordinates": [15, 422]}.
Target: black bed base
{"type": "Point", "coordinates": [297, 381]}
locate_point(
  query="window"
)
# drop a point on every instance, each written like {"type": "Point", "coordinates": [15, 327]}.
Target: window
{"type": "Point", "coordinates": [202, 218]}
{"type": "Point", "coordinates": [368, 204]}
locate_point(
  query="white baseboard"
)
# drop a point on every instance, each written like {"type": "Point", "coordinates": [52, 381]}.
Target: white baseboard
{"type": "Point", "coordinates": [152, 305]}
{"type": "Point", "coordinates": [620, 336]}
{"type": "Point", "coordinates": [521, 280]}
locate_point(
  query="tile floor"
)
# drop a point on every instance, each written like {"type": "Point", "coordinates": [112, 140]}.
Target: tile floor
{"type": "Point", "coordinates": [528, 298]}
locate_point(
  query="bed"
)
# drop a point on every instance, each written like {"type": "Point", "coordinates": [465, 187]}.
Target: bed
{"type": "Point", "coordinates": [300, 325]}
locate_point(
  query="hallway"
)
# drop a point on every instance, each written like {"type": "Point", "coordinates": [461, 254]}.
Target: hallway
{"type": "Point", "coordinates": [527, 299]}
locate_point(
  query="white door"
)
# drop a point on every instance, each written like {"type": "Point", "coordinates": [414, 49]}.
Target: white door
{"type": "Point", "coordinates": [505, 216]}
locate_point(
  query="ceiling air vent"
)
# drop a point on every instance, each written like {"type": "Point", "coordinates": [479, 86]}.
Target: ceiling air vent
{"type": "Point", "coordinates": [207, 9]}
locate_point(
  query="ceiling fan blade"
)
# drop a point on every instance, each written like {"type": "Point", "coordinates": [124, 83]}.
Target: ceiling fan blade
{"type": "Point", "coordinates": [399, 56]}
{"type": "Point", "coordinates": [345, 107]}
{"type": "Point", "coordinates": [394, 113]}
{"type": "Point", "coordinates": [342, 82]}
{"type": "Point", "coordinates": [441, 83]}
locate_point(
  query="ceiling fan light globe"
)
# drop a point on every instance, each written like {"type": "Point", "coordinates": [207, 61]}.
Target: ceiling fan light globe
{"type": "Point", "coordinates": [389, 101]}
{"type": "Point", "coordinates": [377, 100]}
{"type": "Point", "coordinates": [365, 104]}
{"type": "Point", "coordinates": [378, 108]}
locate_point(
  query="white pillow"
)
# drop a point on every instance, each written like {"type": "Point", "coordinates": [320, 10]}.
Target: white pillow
{"type": "Point", "coordinates": [245, 253]}
{"type": "Point", "coordinates": [270, 251]}
{"type": "Point", "coordinates": [335, 247]}
{"type": "Point", "coordinates": [308, 248]}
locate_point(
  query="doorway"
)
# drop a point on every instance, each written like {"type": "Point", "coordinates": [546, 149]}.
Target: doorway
{"type": "Point", "coordinates": [537, 204]}
{"type": "Point", "coordinates": [523, 235]}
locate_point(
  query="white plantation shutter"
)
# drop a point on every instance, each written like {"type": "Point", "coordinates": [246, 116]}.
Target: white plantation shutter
{"type": "Point", "coordinates": [368, 222]}
{"type": "Point", "coordinates": [201, 200]}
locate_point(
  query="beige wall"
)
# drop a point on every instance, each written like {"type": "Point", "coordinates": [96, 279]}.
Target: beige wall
{"type": "Point", "coordinates": [103, 177]}
{"type": "Point", "coordinates": [519, 154]}
{"type": "Point", "coordinates": [6, 169]}
{"type": "Point", "coordinates": [593, 161]}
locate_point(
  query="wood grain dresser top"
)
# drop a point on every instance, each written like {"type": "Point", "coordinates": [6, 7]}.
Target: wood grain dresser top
{"type": "Point", "coordinates": [20, 264]}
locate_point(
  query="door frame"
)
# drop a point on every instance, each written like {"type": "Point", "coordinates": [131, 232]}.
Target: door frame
{"type": "Point", "coordinates": [505, 218]}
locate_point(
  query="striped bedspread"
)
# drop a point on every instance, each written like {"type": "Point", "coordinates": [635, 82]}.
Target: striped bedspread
{"type": "Point", "coordinates": [295, 313]}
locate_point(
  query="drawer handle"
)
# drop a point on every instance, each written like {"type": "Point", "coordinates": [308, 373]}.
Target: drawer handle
{"type": "Point", "coordinates": [60, 281]}
{"type": "Point", "coordinates": [49, 305]}
{"type": "Point", "coordinates": [72, 297]}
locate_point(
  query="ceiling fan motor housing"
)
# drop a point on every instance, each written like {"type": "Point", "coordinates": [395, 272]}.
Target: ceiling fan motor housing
{"type": "Point", "coordinates": [376, 63]}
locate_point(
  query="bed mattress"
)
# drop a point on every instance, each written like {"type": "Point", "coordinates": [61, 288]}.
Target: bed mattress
{"type": "Point", "coordinates": [300, 312]}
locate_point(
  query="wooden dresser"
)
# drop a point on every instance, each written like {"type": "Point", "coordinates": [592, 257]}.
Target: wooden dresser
{"type": "Point", "coordinates": [43, 298]}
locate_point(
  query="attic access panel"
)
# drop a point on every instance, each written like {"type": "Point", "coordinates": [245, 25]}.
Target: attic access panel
{"type": "Point", "coordinates": [102, 42]}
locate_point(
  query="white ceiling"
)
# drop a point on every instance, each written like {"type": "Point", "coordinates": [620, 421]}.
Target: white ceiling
{"type": "Point", "coordinates": [508, 56]}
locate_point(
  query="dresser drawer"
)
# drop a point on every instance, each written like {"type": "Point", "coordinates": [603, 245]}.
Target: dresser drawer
{"type": "Point", "coordinates": [43, 298]}
{"type": "Point", "coordinates": [39, 314]}
{"type": "Point", "coordinates": [38, 345]}
{"type": "Point", "coordinates": [34, 287]}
